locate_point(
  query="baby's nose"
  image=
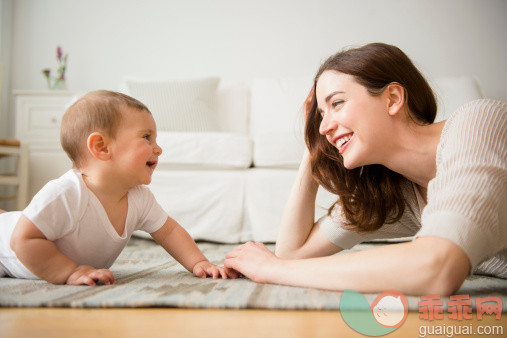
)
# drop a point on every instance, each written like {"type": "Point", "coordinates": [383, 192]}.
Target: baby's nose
{"type": "Point", "coordinates": [157, 150]}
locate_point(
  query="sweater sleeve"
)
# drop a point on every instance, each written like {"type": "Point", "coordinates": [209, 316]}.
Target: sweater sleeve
{"type": "Point", "coordinates": [334, 226]}
{"type": "Point", "coordinates": [466, 199]}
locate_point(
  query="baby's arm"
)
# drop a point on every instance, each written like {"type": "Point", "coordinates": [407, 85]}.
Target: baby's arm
{"type": "Point", "coordinates": [43, 258]}
{"type": "Point", "coordinates": [178, 243]}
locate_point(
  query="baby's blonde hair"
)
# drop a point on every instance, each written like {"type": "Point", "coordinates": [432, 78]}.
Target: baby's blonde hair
{"type": "Point", "coordinates": [97, 111]}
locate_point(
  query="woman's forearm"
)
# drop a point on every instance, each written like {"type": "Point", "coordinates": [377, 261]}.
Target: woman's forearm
{"type": "Point", "coordinates": [414, 268]}
{"type": "Point", "coordinates": [299, 213]}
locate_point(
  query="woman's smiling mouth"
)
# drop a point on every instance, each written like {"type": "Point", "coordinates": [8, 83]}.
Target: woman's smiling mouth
{"type": "Point", "coordinates": [343, 141]}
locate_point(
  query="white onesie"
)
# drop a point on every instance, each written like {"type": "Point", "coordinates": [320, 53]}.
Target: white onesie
{"type": "Point", "coordinates": [72, 217]}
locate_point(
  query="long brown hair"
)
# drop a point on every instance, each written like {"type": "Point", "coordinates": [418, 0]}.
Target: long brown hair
{"type": "Point", "coordinates": [370, 196]}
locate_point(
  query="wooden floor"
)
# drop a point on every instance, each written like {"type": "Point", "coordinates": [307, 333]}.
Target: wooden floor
{"type": "Point", "coordinates": [152, 323]}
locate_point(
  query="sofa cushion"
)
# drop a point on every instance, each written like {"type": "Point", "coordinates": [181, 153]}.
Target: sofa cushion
{"type": "Point", "coordinates": [178, 105]}
{"type": "Point", "coordinates": [276, 120]}
{"type": "Point", "coordinates": [204, 150]}
{"type": "Point", "coordinates": [277, 104]}
{"type": "Point", "coordinates": [278, 150]}
{"type": "Point", "coordinates": [207, 203]}
{"type": "Point", "coordinates": [266, 193]}
{"type": "Point", "coordinates": [233, 99]}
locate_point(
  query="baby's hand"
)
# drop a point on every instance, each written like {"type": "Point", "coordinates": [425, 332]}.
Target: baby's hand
{"type": "Point", "coordinates": [204, 269]}
{"type": "Point", "coordinates": [88, 275]}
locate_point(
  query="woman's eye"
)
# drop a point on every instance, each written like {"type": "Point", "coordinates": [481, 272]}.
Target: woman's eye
{"type": "Point", "coordinates": [336, 103]}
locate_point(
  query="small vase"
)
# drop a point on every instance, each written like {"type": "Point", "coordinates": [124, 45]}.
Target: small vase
{"type": "Point", "coordinates": [59, 84]}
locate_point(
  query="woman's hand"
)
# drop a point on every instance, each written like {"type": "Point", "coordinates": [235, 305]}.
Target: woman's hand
{"type": "Point", "coordinates": [88, 275]}
{"type": "Point", "coordinates": [253, 260]}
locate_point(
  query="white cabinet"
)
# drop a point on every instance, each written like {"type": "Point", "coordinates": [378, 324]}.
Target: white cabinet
{"type": "Point", "coordinates": [38, 117]}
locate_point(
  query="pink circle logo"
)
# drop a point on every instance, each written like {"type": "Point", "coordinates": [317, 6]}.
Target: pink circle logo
{"type": "Point", "coordinates": [390, 308]}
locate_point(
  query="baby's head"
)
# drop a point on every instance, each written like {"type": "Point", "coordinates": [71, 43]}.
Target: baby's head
{"type": "Point", "coordinates": [98, 111]}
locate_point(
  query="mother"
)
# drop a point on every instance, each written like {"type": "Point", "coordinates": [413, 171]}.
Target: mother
{"type": "Point", "coordinates": [371, 140]}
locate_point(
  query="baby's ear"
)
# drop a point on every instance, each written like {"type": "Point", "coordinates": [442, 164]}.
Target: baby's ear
{"type": "Point", "coordinates": [98, 146]}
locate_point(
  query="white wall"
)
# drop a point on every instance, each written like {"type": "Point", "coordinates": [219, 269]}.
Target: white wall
{"type": "Point", "coordinates": [5, 63]}
{"type": "Point", "coordinates": [5, 52]}
{"type": "Point", "coordinates": [241, 39]}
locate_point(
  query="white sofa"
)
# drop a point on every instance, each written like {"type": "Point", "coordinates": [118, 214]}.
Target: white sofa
{"type": "Point", "coordinates": [227, 179]}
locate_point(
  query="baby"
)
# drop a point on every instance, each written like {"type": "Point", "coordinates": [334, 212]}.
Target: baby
{"type": "Point", "coordinates": [76, 226]}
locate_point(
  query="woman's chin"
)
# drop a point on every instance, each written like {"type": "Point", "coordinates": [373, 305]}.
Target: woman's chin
{"type": "Point", "coordinates": [350, 163]}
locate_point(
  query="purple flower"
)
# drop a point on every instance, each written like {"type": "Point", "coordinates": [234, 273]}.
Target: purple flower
{"type": "Point", "coordinates": [59, 53]}
{"type": "Point", "coordinates": [57, 81]}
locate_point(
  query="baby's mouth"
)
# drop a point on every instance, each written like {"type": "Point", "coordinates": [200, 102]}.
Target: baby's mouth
{"type": "Point", "coordinates": [151, 164]}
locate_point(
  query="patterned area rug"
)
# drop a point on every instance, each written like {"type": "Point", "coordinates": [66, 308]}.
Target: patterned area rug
{"type": "Point", "coordinates": [146, 276]}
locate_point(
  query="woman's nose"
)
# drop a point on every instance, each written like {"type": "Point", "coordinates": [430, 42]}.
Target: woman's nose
{"type": "Point", "coordinates": [327, 125]}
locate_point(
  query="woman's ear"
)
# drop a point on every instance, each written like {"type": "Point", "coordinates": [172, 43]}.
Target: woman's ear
{"type": "Point", "coordinates": [396, 97]}
{"type": "Point", "coordinates": [97, 145]}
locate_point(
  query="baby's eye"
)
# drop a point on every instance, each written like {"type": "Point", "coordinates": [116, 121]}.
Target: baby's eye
{"type": "Point", "coordinates": [336, 103]}
{"type": "Point", "coordinates": [147, 136]}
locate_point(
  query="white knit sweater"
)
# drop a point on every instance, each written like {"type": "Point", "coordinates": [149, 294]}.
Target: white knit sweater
{"type": "Point", "coordinates": [467, 199]}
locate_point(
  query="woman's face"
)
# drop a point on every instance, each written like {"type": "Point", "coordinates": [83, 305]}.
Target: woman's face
{"type": "Point", "coordinates": [353, 120]}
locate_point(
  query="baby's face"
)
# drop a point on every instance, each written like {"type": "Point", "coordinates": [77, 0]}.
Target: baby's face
{"type": "Point", "coordinates": [134, 151]}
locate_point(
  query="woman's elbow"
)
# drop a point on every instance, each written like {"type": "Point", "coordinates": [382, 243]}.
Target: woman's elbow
{"type": "Point", "coordinates": [286, 253]}
{"type": "Point", "coordinates": [443, 281]}
{"type": "Point", "coordinates": [445, 270]}
{"type": "Point", "coordinates": [301, 252]}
